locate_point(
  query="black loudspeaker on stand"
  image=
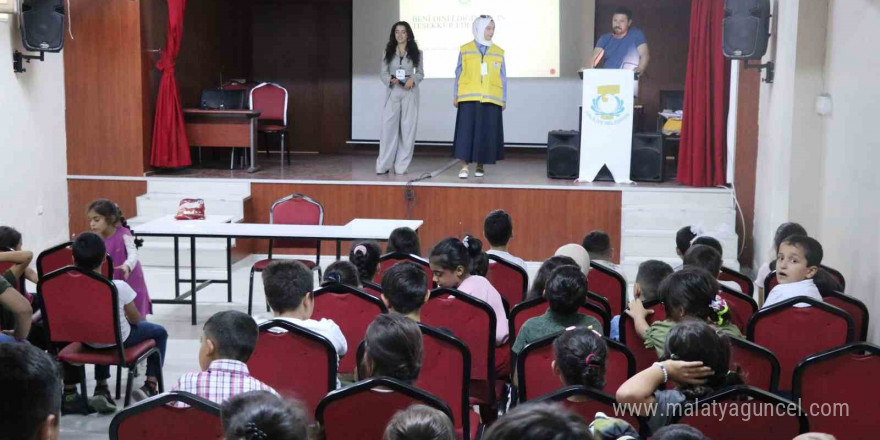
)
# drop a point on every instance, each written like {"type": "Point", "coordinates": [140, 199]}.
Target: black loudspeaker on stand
{"type": "Point", "coordinates": [648, 161]}
{"type": "Point", "coordinates": [563, 154]}
{"type": "Point", "coordinates": [42, 25]}
{"type": "Point", "coordinates": [746, 28]}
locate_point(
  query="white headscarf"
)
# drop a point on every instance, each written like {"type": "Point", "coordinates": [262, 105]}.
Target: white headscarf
{"type": "Point", "coordinates": [480, 25]}
{"type": "Point", "coordinates": [578, 254]}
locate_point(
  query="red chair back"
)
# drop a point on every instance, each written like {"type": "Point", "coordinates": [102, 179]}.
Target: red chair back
{"type": "Point", "coordinates": [271, 100]}
{"type": "Point", "coordinates": [446, 372]}
{"type": "Point", "coordinates": [841, 376]}
{"type": "Point", "coordinates": [610, 284]}
{"type": "Point", "coordinates": [361, 411]}
{"type": "Point", "coordinates": [372, 289]}
{"type": "Point", "coordinates": [538, 306]}
{"type": "Point", "coordinates": [856, 309]}
{"type": "Point", "coordinates": [533, 369]}
{"type": "Point", "coordinates": [746, 286]}
{"type": "Point", "coordinates": [769, 283]}
{"type": "Point", "coordinates": [61, 255]}
{"type": "Point", "coordinates": [388, 260]}
{"type": "Point", "coordinates": [759, 365]}
{"type": "Point", "coordinates": [793, 333]}
{"type": "Point", "coordinates": [472, 321]}
{"type": "Point", "coordinates": [80, 306]}
{"type": "Point", "coordinates": [599, 301]}
{"type": "Point", "coordinates": [352, 310]}
{"type": "Point", "coordinates": [836, 275]}
{"type": "Point", "coordinates": [620, 365]}
{"type": "Point", "coordinates": [598, 401]}
{"type": "Point", "coordinates": [742, 307]}
{"type": "Point", "coordinates": [296, 362]}
{"type": "Point", "coordinates": [154, 419]}
{"type": "Point", "coordinates": [771, 425]}
{"type": "Point", "coordinates": [510, 280]}
{"type": "Point", "coordinates": [295, 209]}
{"type": "Point", "coordinates": [644, 357]}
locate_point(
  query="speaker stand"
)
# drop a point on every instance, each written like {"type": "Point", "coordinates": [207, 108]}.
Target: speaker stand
{"type": "Point", "coordinates": [18, 59]}
{"type": "Point", "coordinates": [771, 69]}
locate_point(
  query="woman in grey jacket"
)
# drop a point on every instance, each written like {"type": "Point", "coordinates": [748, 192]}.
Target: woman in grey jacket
{"type": "Point", "coordinates": [401, 72]}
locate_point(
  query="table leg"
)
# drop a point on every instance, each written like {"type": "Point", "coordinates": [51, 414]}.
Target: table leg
{"type": "Point", "coordinates": [192, 259]}
{"type": "Point", "coordinates": [253, 168]}
{"type": "Point", "coordinates": [228, 269]}
{"type": "Point", "coordinates": [176, 268]}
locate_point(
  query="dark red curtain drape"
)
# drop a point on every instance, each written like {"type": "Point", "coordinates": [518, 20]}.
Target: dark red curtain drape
{"type": "Point", "coordinates": [701, 159]}
{"type": "Point", "coordinates": [170, 147]}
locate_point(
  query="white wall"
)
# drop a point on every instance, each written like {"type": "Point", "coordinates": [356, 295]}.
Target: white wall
{"type": "Point", "coordinates": [33, 146]}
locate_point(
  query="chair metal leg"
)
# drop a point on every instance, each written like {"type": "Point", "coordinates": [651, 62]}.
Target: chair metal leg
{"type": "Point", "coordinates": [118, 381]}
{"type": "Point", "coordinates": [232, 159]}
{"type": "Point", "coordinates": [284, 151]}
{"type": "Point", "coordinates": [84, 392]}
{"type": "Point", "coordinates": [129, 385]}
{"type": "Point", "coordinates": [160, 380]}
{"type": "Point", "coordinates": [251, 293]}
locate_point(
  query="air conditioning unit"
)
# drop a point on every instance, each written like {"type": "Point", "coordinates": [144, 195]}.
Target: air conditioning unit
{"type": "Point", "coordinates": [8, 6]}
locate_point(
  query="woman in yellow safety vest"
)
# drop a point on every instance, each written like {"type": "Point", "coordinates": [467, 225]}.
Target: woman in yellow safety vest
{"type": "Point", "coordinates": [480, 96]}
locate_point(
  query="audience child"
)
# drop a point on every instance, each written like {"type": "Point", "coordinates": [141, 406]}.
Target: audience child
{"type": "Point", "coordinates": [538, 421]}
{"type": "Point", "coordinates": [784, 231]}
{"type": "Point", "coordinates": [683, 239]}
{"type": "Point", "coordinates": [688, 293]}
{"type": "Point", "coordinates": [579, 356]}
{"type": "Point", "coordinates": [498, 229]}
{"type": "Point", "coordinates": [577, 253]}
{"type": "Point", "coordinates": [106, 220]}
{"type": "Point", "coordinates": [598, 245]}
{"type": "Point", "coordinates": [566, 292]}
{"type": "Point", "coordinates": [453, 262]}
{"type": "Point", "coordinates": [10, 252]}
{"type": "Point", "coordinates": [697, 360]}
{"type": "Point", "coordinates": [646, 287]}
{"type": "Point", "coordinates": [796, 265]}
{"type": "Point", "coordinates": [342, 272]}
{"type": "Point", "coordinates": [547, 267]}
{"type": "Point", "coordinates": [712, 242]}
{"type": "Point", "coordinates": [365, 256]}
{"type": "Point", "coordinates": [17, 307]}
{"type": "Point", "coordinates": [393, 348]}
{"type": "Point", "coordinates": [403, 289]}
{"type": "Point", "coordinates": [404, 240]}
{"type": "Point", "coordinates": [420, 422]}
{"type": "Point", "coordinates": [88, 254]}
{"type": "Point", "coordinates": [609, 428]}
{"type": "Point", "coordinates": [29, 401]}
{"type": "Point", "coordinates": [289, 289]}
{"type": "Point", "coordinates": [261, 415]}
{"type": "Point", "coordinates": [679, 432]}
{"type": "Point", "coordinates": [228, 340]}
{"type": "Point", "coordinates": [708, 258]}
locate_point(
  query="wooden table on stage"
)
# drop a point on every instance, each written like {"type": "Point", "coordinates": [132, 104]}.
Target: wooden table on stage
{"type": "Point", "coordinates": [223, 128]}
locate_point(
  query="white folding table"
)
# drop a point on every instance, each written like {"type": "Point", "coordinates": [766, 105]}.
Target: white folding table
{"type": "Point", "coordinates": [357, 229]}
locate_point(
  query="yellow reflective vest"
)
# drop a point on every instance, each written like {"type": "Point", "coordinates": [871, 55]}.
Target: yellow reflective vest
{"type": "Point", "coordinates": [472, 84]}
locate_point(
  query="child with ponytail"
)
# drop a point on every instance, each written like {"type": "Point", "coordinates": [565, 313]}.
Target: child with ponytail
{"type": "Point", "coordinates": [579, 358]}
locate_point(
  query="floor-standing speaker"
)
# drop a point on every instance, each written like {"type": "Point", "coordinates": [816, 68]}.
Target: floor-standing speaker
{"type": "Point", "coordinates": [563, 154]}
{"type": "Point", "coordinates": [647, 157]}
{"type": "Point", "coordinates": [42, 25]}
{"type": "Point", "coordinates": [745, 28]}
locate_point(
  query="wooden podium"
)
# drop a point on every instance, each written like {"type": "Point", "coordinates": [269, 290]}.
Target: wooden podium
{"type": "Point", "coordinates": [223, 128]}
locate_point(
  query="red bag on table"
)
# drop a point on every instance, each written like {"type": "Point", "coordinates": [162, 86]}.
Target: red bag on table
{"type": "Point", "coordinates": [191, 209]}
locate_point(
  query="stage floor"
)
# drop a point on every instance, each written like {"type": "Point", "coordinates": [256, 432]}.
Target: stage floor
{"type": "Point", "coordinates": [518, 170]}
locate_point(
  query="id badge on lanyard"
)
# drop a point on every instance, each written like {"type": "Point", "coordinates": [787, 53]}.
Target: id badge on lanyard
{"type": "Point", "coordinates": [484, 69]}
{"type": "Point", "coordinates": [400, 74]}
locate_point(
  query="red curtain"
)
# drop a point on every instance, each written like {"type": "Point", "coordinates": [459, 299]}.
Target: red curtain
{"type": "Point", "coordinates": [170, 147]}
{"type": "Point", "coordinates": [701, 159]}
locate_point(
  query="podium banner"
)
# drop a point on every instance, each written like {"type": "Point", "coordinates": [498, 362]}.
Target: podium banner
{"type": "Point", "coordinates": [606, 127]}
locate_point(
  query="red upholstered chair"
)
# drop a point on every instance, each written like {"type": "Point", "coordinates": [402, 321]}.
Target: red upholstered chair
{"type": "Point", "coordinates": [794, 333]}
{"type": "Point", "coordinates": [598, 401]}
{"type": "Point", "coordinates": [769, 283]}
{"type": "Point", "coordinates": [80, 307]}
{"type": "Point", "coordinates": [372, 288]}
{"type": "Point", "coordinates": [760, 366]}
{"type": "Point", "coordinates": [742, 307]}
{"type": "Point", "coordinates": [619, 366]}
{"type": "Point", "coordinates": [61, 255]}
{"type": "Point", "coordinates": [4, 266]}
{"type": "Point", "coordinates": [538, 306]}
{"type": "Point", "coordinates": [473, 322]}
{"type": "Point", "coordinates": [271, 100]}
{"type": "Point", "coordinates": [362, 410]}
{"type": "Point", "coordinates": [770, 425]}
{"type": "Point", "coordinates": [844, 375]}
{"type": "Point", "coordinates": [856, 309]}
{"type": "Point", "coordinates": [599, 301]}
{"type": "Point", "coordinates": [153, 419]}
{"type": "Point", "coordinates": [510, 280]}
{"type": "Point", "coordinates": [295, 209]}
{"type": "Point", "coordinates": [352, 310]}
{"type": "Point", "coordinates": [608, 283]}
{"type": "Point", "coordinates": [388, 260]}
{"type": "Point", "coordinates": [296, 362]}
{"type": "Point", "coordinates": [836, 275]}
{"type": "Point", "coordinates": [745, 283]}
{"type": "Point", "coordinates": [645, 357]}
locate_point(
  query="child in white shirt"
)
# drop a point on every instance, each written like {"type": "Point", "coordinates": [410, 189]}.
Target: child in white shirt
{"type": "Point", "coordinates": [796, 264]}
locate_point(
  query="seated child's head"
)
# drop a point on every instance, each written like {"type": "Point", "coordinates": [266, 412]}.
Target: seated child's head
{"type": "Point", "coordinates": [103, 216]}
{"type": "Point", "coordinates": [452, 260]}
{"type": "Point", "coordinates": [420, 422]}
{"type": "Point", "coordinates": [651, 274]}
{"type": "Point", "coordinates": [786, 230]}
{"type": "Point", "coordinates": [89, 251]}
{"type": "Point", "coordinates": [10, 238]}
{"type": "Point", "coordinates": [393, 348]}
{"type": "Point", "coordinates": [228, 335]}
{"type": "Point", "coordinates": [543, 275]}
{"type": "Point", "coordinates": [405, 241]}
{"type": "Point", "coordinates": [695, 340]}
{"type": "Point", "coordinates": [365, 256]}
{"type": "Point", "coordinates": [263, 415]}
{"type": "Point", "coordinates": [30, 397]}
{"type": "Point", "coordinates": [689, 293]}
{"type": "Point", "coordinates": [405, 287]}
{"type": "Point", "coordinates": [579, 358]}
{"type": "Point", "coordinates": [683, 239]}
{"type": "Point", "coordinates": [342, 272]}
{"type": "Point", "coordinates": [498, 228]}
{"type": "Point", "coordinates": [678, 432]}
{"type": "Point", "coordinates": [598, 245]}
{"type": "Point", "coordinates": [712, 242]}
{"type": "Point", "coordinates": [704, 257]}
{"type": "Point", "coordinates": [539, 421]}
{"type": "Point", "coordinates": [288, 286]}
{"type": "Point", "coordinates": [798, 259]}
{"type": "Point", "coordinates": [566, 290]}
